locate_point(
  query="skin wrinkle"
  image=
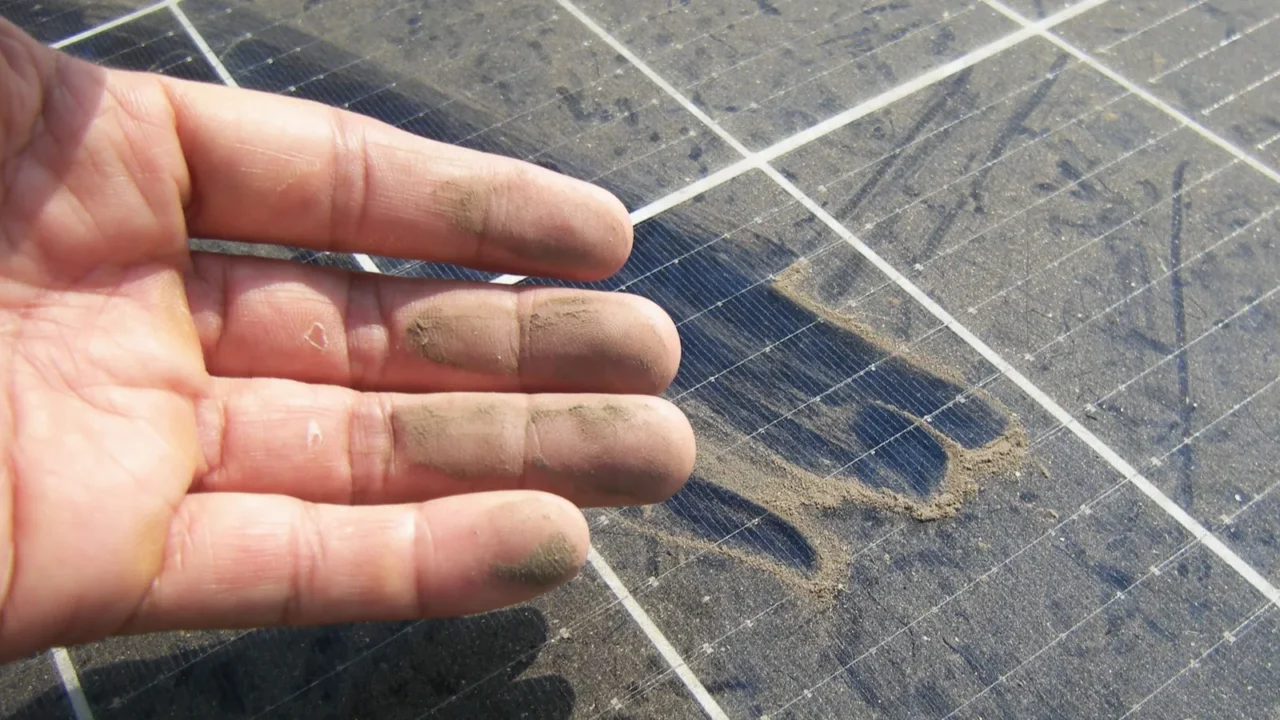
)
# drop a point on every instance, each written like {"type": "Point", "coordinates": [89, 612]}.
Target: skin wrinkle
{"type": "Point", "coordinates": [354, 493]}
{"type": "Point", "coordinates": [216, 560]}
{"type": "Point", "coordinates": [424, 562]}
{"type": "Point", "coordinates": [11, 487]}
{"type": "Point", "coordinates": [389, 465]}
{"type": "Point", "coordinates": [306, 556]}
{"type": "Point", "coordinates": [215, 292]}
{"type": "Point", "coordinates": [529, 452]}
{"type": "Point", "coordinates": [173, 559]}
{"type": "Point", "coordinates": [482, 183]}
{"type": "Point", "coordinates": [520, 309]}
{"type": "Point", "coordinates": [189, 191]}
{"type": "Point", "coordinates": [366, 327]}
{"type": "Point", "coordinates": [381, 332]}
{"type": "Point", "coordinates": [350, 185]}
{"type": "Point", "coordinates": [46, 76]}
{"type": "Point", "coordinates": [374, 414]}
{"type": "Point", "coordinates": [354, 368]}
{"type": "Point", "coordinates": [139, 111]}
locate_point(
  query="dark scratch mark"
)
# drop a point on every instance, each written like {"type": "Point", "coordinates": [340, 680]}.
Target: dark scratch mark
{"type": "Point", "coordinates": [767, 8]}
{"type": "Point", "coordinates": [572, 101]}
{"type": "Point", "coordinates": [1012, 128]}
{"type": "Point", "coordinates": [629, 112]}
{"type": "Point", "coordinates": [1015, 126]}
{"type": "Point", "coordinates": [931, 113]}
{"type": "Point", "coordinates": [1180, 335]}
{"type": "Point", "coordinates": [887, 7]}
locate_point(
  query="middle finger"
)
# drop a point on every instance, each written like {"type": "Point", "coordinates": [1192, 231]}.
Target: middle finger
{"type": "Point", "coordinates": [258, 317]}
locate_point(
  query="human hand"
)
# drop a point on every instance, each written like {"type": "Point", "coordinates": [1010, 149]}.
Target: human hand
{"type": "Point", "coordinates": [192, 441]}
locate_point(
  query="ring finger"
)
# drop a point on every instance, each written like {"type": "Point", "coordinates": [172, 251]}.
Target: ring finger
{"type": "Point", "coordinates": [333, 445]}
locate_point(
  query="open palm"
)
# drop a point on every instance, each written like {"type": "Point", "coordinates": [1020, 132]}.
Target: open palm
{"type": "Point", "coordinates": [210, 441]}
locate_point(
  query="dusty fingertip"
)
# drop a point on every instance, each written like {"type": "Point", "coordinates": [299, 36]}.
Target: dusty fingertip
{"type": "Point", "coordinates": [667, 348]}
{"type": "Point", "coordinates": [682, 446]}
{"type": "Point", "coordinates": [551, 540]}
{"type": "Point", "coordinates": [620, 232]}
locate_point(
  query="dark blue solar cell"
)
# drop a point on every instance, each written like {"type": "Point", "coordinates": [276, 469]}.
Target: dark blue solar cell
{"type": "Point", "coordinates": [716, 512]}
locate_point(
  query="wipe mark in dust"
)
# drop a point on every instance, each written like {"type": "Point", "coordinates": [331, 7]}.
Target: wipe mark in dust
{"type": "Point", "coordinates": [801, 445]}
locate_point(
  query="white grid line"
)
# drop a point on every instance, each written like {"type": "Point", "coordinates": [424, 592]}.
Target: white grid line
{"type": "Point", "coordinates": [1041, 398]}
{"type": "Point", "coordinates": [601, 566]}
{"type": "Point", "coordinates": [1154, 571]}
{"type": "Point", "coordinates": [209, 55]}
{"type": "Point", "coordinates": [1136, 89]}
{"type": "Point", "coordinates": [1111, 46]}
{"type": "Point", "coordinates": [1119, 464]}
{"type": "Point", "coordinates": [110, 25]}
{"type": "Point", "coordinates": [66, 668]}
{"type": "Point", "coordinates": [1085, 508]}
{"type": "Point", "coordinates": [759, 160]}
{"type": "Point", "coordinates": [664, 646]}
{"type": "Point", "coordinates": [1241, 92]}
{"type": "Point", "coordinates": [1228, 637]}
{"type": "Point", "coordinates": [1209, 51]}
{"type": "Point", "coordinates": [752, 160]}
{"type": "Point", "coordinates": [362, 259]}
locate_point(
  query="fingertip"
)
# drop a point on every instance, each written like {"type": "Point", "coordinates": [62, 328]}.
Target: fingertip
{"type": "Point", "coordinates": [667, 350]}
{"type": "Point", "coordinates": [680, 444]}
{"type": "Point", "coordinates": [548, 223]}
{"type": "Point", "coordinates": [547, 542]}
{"type": "Point", "coordinates": [618, 232]}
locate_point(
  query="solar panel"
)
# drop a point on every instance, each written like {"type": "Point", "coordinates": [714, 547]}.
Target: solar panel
{"type": "Point", "coordinates": [978, 303]}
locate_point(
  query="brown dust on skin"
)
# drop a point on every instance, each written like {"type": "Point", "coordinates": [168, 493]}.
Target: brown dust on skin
{"type": "Point", "coordinates": [567, 338]}
{"type": "Point", "coordinates": [465, 340]}
{"type": "Point", "coordinates": [460, 445]}
{"type": "Point", "coordinates": [801, 497]}
{"type": "Point", "coordinates": [594, 467]}
{"type": "Point", "coordinates": [432, 336]}
{"type": "Point", "coordinates": [594, 323]}
{"type": "Point", "coordinates": [572, 450]}
{"type": "Point", "coordinates": [553, 313]}
{"type": "Point", "coordinates": [549, 563]}
{"type": "Point", "coordinates": [463, 203]}
{"type": "Point", "coordinates": [593, 423]}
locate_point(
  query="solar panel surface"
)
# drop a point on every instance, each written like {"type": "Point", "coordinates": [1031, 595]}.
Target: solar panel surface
{"type": "Point", "coordinates": [1016, 260]}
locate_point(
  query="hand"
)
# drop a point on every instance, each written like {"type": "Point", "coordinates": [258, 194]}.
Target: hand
{"type": "Point", "coordinates": [192, 441]}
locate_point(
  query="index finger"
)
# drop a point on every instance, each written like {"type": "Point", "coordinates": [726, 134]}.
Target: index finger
{"type": "Point", "coordinates": [272, 169]}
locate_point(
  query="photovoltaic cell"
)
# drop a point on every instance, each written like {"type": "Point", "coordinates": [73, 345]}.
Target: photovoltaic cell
{"type": "Point", "coordinates": [1120, 256]}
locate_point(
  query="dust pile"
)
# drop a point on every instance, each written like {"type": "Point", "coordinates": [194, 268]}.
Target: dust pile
{"type": "Point", "coordinates": [804, 498]}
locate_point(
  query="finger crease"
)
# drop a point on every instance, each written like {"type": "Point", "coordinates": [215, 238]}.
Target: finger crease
{"type": "Point", "coordinates": [424, 562]}
{"type": "Point", "coordinates": [307, 548]}
{"type": "Point", "coordinates": [219, 286]}
{"type": "Point", "coordinates": [524, 314]}
{"type": "Point", "coordinates": [355, 369]}
{"type": "Point", "coordinates": [531, 452]}
{"type": "Point", "coordinates": [350, 181]}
